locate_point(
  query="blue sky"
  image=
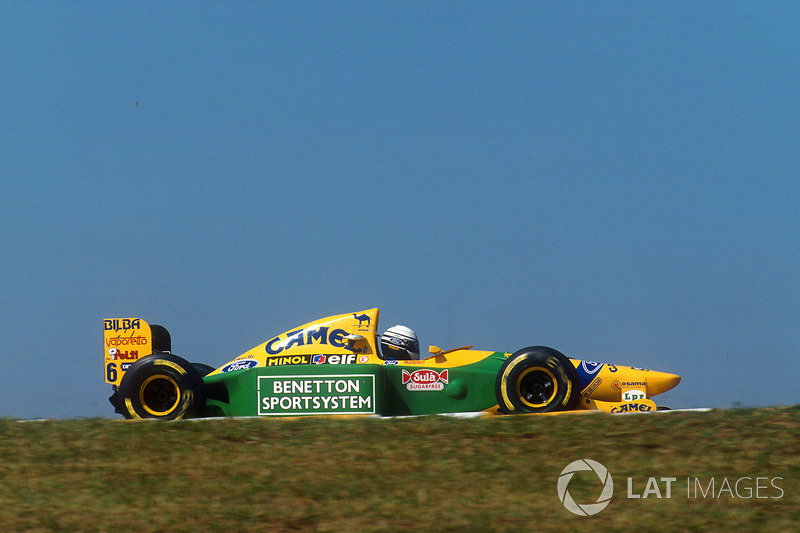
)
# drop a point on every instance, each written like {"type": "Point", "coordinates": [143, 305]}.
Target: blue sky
{"type": "Point", "coordinates": [617, 180]}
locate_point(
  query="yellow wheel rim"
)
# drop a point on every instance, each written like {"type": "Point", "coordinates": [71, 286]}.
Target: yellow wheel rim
{"type": "Point", "coordinates": [536, 387]}
{"type": "Point", "coordinates": [159, 395]}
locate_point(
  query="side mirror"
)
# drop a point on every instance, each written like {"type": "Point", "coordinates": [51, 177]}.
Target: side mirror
{"type": "Point", "coordinates": [352, 340]}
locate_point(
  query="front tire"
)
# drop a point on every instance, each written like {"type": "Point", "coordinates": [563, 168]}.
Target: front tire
{"type": "Point", "coordinates": [537, 380]}
{"type": "Point", "coordinates": [162, 385]}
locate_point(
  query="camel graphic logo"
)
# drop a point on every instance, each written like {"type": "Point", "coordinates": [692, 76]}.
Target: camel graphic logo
{"type": "Point", "coordinates": [361, 319]}
{"type": "Point", "coordinates": [587, 509]}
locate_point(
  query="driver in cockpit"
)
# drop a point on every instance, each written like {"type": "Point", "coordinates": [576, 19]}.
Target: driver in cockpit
{"type": "Point", "coordinates": [400, 343]}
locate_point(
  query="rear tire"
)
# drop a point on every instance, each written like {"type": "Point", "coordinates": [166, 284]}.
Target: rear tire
{"type": "Point", "coordinates": [537, 380]}
{"type": "Point", "coordinates": [203, 370]}
{"type": "Point", "coordinates": [162, 385]}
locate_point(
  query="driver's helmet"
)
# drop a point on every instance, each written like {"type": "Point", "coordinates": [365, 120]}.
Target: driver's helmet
{"type": "Point", "coordinates": [399, 342]}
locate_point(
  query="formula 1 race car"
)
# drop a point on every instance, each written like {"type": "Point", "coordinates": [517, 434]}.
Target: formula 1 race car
{"type": "Point", "coordinates": [335, 366]}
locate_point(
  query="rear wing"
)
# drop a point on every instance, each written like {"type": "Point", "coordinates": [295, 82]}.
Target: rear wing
{"type": "Point", "coordinates": [126, 340]}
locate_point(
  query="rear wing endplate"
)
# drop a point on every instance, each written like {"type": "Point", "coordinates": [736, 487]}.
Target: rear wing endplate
{"type": "Point", "coordinates": [126, 340]}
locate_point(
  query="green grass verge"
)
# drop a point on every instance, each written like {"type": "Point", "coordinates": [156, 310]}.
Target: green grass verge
{"type": "Point", "coordinates": [426, 473]}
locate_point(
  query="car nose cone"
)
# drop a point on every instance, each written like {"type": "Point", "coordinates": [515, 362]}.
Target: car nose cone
{"type": "Point", "coordinates": [658, 382]}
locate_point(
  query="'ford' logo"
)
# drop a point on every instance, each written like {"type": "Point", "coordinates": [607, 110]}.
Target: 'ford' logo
{"type": "Point", "coordinates": [244, 364]}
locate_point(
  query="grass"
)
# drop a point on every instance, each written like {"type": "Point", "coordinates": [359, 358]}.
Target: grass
{"type": "Point", "coordinates": [426, 473]}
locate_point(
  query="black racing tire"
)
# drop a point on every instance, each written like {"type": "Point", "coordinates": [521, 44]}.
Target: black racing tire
{"type": "Point", "coordinates": [202, 369]}
{"type": "Point", "coordinates": [162, 385]}
{"type": "Point", "coordinates": [537, 379]}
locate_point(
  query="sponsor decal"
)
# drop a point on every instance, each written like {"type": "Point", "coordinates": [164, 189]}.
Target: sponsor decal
{"type": "Point", "coordinates": [319, 359]}
{"type": "Point", "coordinates": [285, 360]}
{"type": "Point", "coordinates": [590, 367]}
{"type": "Point", "coordinates": [139, 340]}
{"type": "Point", "coordinates": [362, 319]}
{"type": "Point", "coordinates": [306, 337]}
{"type": "Point", "coordinates": [633, 395]}
{"type": "Point", "coordinates": [634, 384]}
{"type": "Point", "coordinates": [334, 359]}
{"type": "Point", "coordinates": [631, 408]}
{"type": "Point", "coordinates": [616, 385]}
{"type": "Point", "coordinates": [328, 394]}
{"type": "Point", "coordinates": [586, 372]}
{"type": "Point", "coordinates": [592, 387]}
{"type": "Point", "coordinates": [117, 324]}
{"type": "Point", "coordinates": [363, 359]}
{"type": "Point", "coordinates": [425, 379]}
{"type": "Point", "coordinates": [240, 364]}
{"type": "Point", "coordinates": [119, 354]}
{"type": "Point", "coordinates": [390, 362]}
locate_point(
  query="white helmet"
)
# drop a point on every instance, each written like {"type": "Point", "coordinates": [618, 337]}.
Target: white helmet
{"type": "Point", "coordinates": [400, 342]}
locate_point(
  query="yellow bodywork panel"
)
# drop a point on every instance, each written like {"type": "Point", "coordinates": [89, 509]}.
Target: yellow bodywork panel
{"type": "Point", "coordinates": [615, 383]}
{"type": "Point", "coordinates": [350, 336]}
{"type": "Point", "coordinates": [637, 406]}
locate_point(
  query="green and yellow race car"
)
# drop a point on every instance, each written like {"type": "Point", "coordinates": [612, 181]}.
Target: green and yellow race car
{"type": "Point", "coordinates": [339, 365]}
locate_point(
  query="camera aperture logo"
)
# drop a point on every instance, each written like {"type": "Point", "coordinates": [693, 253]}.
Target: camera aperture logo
{"type": "Point", "coordinates": [587, 509]}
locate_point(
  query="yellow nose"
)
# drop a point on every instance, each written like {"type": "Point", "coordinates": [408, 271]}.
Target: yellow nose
{"type": "Point", "coordinates": [658, 382]}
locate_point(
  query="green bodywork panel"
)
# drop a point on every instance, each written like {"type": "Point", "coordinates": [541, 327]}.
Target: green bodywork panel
{"type": "Point", "coordinates": [400, 389]}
